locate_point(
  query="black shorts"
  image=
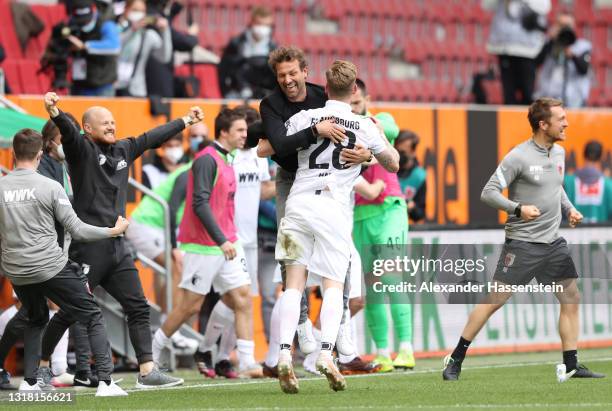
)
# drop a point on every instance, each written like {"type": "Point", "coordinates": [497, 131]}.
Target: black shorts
{"type": "Point", "coordinates": [521, 261]}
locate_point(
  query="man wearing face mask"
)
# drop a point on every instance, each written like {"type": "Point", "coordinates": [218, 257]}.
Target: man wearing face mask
{"type": "Point", "coordinates": [244, 70]}
{"type": "Point", "coordinates": [142, 36]}
{"type": "Point", "coordinates": [158, 170]}
{"type": "Point", "coordinates": [93, 43]}
{"type": "Point", "coordinates": [412, 177]}
{"type": "Point", "coordinates": [198, 138]}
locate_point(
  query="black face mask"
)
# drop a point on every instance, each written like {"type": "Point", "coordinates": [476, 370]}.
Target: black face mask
{"type": "Point", "coordinates": [403, 160]}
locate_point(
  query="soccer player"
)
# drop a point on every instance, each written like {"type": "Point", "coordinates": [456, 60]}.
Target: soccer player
{"type": "Point", "coordinates": [38, 269]}
{"type": "Point", "coordinates": [99, 166]}
{"type": "Point", "coordinates": [253, 183]}
{"type": "Point", "coordinates": [533, 174]}
{"type": "Point", "coordinates": [383, 220]}
{"type": "Point", "coordinates": [294, 94]}
{"type": "Point", "coordinates": [316, 239]}
{"type": "Point", "coordinates": [213, 255]}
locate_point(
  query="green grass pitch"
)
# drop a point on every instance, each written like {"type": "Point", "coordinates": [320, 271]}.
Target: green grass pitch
{"type": "Point", "coordinates": [505, 382]}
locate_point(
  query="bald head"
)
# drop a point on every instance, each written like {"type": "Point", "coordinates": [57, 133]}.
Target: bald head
{"type": "Point", "coordinates": [99, 124]}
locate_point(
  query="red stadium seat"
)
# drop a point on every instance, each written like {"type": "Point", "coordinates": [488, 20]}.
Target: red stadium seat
{"type": "Point", "coordinates": [8, 38]}
{"type": "Point", "coordinates": [208, 76]}
{"type": "Point", "coordinates": [11, 71]}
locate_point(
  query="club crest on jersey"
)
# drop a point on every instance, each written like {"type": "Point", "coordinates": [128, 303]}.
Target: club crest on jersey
{"type": "Point", "coordinates": [560, 169]}
{"type": "Point", "coordinates": [101, 159]}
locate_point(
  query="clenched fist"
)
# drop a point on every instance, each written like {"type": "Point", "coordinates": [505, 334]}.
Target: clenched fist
{"type": "Point", "coordinates": [51, 99]}
{"type": "Point", "coordinates": [195, 115]}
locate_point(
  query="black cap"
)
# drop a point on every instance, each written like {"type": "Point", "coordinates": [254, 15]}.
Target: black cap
{"type": "Point", "coordinates": [82, 11]}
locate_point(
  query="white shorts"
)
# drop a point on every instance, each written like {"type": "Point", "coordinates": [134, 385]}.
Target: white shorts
{"type": "Point", "coordinates": [252, 260]}
{"type": "Point", "coordinates": [355, 275]}
{"type": "Point", "coordinates": [147, 240]}
{"type": "Point", "coordinates": [201, 271]}
{"type": "Point", "coordinates": [316, 232]}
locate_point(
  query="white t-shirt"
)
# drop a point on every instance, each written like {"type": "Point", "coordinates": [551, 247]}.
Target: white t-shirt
{"type": "Point", "coordinates": [319, 166]}
{"type": "Point", "coordinates": [250, 171]}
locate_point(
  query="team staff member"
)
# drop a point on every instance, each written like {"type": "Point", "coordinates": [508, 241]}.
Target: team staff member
{"type": "Point", "coordinates": [214, 257]}
{"type": "Point", "coordinates": [38, 268]}
{"type": "Point", "coordinates": [99, 166]}
{"type": "Point", "coordinates": [293, 95]}
{"type": "Point", "coordinates": [533, 174]}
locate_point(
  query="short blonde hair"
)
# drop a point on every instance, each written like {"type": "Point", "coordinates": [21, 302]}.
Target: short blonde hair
{"type": "Point", "coordinates": [341, 78]}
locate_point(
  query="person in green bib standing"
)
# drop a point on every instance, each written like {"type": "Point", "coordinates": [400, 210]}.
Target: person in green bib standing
{"type": "Point", "coordinates": [589, 189]}
{"type": "Point", "coordinates": [383, 221]}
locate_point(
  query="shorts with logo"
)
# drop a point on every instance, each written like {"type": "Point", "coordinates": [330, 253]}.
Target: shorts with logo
{"type": "Point", "coordinates": [201, 271]}
{"type": "Point", "coordinates": [146, 239]}
{"type": "Point", "coordinates": [316, 232]}
{"type": "Point", "coordinates": [521, 261]}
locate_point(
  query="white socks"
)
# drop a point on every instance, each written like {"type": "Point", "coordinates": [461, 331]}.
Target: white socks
{"type": "Point", "coordinates": [59, 362]}
{"type": "Point", "coordinates": [384, 352]}
{"type": "Point", "coordinates": [160, 339]}
{"type": "Point", "coordinates": [406, 346]}
{"type": "Point", "coordinates": [221, 317]}
{"type": "Point", "coordinates": [227, 344]}
{"type": "Point", "coordinates": [274, 344]}
{"type": "Point", "coordinates": [246, 353]}
{"type": "Point", "coordinates": [290, 315]}
{"type": "Point", "coordinates": [331, 315]}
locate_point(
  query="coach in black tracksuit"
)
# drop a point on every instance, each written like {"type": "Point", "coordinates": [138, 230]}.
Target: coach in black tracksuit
{"type": "Point", "coordinates": [99, 167]}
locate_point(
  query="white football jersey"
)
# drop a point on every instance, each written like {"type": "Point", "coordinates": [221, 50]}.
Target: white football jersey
{"type": "Point", "coordinates": [250, 172]}
{"type": "Point", "coordinates": [319, 166]}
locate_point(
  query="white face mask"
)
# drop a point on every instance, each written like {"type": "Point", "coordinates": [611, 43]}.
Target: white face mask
{"type": "Point", "coordinates": [60, 153]}
{"type": "Point", "coordinates": [135, 16]}
{"type": "Point", "coordinates": [174, 154]}
{"type": "Point", "coordinates": [261, 31]}
{"type": "Point", "coordinates": [92, 24]}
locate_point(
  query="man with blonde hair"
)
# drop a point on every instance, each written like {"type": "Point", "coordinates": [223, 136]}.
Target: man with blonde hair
{"type": "Point", "coordinates": [314, 242]}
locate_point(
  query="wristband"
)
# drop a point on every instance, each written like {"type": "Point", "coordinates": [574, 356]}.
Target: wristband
{"type": "Point", "coordinates": [517, 211]}
{"type": "Point", "coordinates": [314, 130]}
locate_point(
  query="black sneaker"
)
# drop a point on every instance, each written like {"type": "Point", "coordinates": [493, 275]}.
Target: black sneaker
{"type": "Point", "coordinates": [204, 363]}
{"type": "Point", "coordinates": [224, 368]}
{"type": "Point", "coordinates": [584, 372]}
{"type": "Point", "coordinates": [452, 369]}
{"type": "Point", "coordinates": [85, 379]}
{"type": "Point", "coordinates": [5, 380]}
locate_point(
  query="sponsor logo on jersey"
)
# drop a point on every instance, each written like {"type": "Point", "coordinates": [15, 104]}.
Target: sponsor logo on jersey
{"type": "Point", "coordinates": [248, 177]}
{"type": "Point", "coordinates": [23, 194]}
{"type": "Point", "coordinates": [536, 171]}
{"type": "Point", "coordinates": [121, 165]}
